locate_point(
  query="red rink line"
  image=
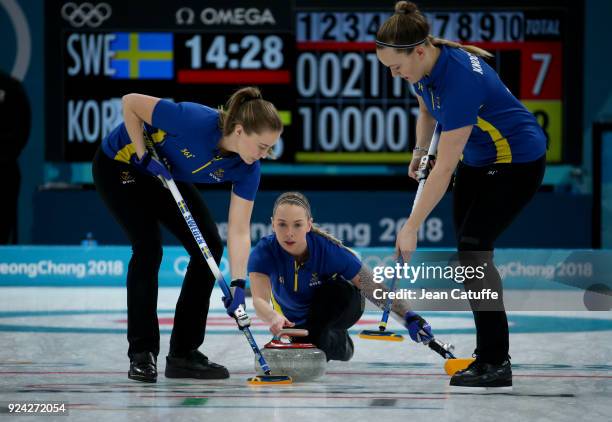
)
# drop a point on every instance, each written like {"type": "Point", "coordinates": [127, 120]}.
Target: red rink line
{"type": "Point", "coordinates": [370, 374]}
{"type": "Point", "coordinates": [233, 76]}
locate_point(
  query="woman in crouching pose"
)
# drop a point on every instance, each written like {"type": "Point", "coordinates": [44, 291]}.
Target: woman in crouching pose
{"type": "Point", "coordinates": [302, 277]}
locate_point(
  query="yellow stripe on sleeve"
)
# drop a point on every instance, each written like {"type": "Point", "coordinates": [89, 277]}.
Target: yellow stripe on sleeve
{"type": "Point", "coordinates": [275, 304]}
{"type": "Point", "coordinates": [158, 136]}
{"type": "Point", "coordinates": [125, 153]}
{"type": "Point", "coordinates": [504, 154]}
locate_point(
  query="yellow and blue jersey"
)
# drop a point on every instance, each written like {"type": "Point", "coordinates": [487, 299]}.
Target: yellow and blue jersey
{"type": "Point", "coordinates": [463, 90]}
{"type": "Point", "coordinates": [186, 136]}
{"type": "Point", "coordinates": [293, 284]}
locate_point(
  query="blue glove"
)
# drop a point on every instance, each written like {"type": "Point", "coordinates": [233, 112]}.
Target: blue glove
{"type": "Point", "coordinates": [237, 299]}
{"type": "Point", "coordinates": [419, 329]}
{"type": "Point", "coordinates": [151, 165]}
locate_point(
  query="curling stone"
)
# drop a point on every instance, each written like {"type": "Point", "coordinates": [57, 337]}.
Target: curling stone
{"type": "Point", "coordinates": [301, 361]}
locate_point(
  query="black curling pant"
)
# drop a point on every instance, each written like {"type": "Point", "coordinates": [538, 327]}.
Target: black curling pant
{"type": "Point", "coordinates": [486, 201]}
{"type": "Point", "coordinates": [336, 306]}
{"type": "Point", "coordinates": [140, 203]}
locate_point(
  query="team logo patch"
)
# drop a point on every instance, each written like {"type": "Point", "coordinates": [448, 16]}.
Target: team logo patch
{"type": "Point", "coordinates": [126, 178]}
{"type": "Point", "coordinates": [217, 175]}
{"type": "Point", "coordinates": [314, 280]}
{"type": "Point", "coordinates": [436, 103]}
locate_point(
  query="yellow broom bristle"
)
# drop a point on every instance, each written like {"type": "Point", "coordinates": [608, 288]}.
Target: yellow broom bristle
{"type": "Point", "coordinates": [270, 380]}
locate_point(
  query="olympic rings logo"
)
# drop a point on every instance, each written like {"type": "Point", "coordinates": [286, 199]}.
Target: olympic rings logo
{"type": "Point", "coordinates": [86, 14]}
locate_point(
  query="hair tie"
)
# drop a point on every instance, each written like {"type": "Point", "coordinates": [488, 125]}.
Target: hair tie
{"type": "Point", "coordinates": [246, 100]}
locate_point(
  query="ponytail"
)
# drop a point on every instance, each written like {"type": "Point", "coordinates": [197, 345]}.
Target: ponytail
{"type": "Point", "coordinates": [246, 107]}
{"type": "Point", "coordinates": [477, 51]}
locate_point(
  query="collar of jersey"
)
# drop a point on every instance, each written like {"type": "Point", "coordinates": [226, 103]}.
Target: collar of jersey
{"type": "Point", "coordinates": [226, 155]}
{"type": "Point", "coordinates": [439, 69]}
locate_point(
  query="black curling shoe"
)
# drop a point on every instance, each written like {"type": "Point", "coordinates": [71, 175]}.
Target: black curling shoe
{"type": "Point", "coordinates": [143, 367]}
{"type": "Point", "coordinates": [194, 365]}
{"type": "Point", "coordinates": [349, 347]}
{"type": "Point", "coordinates": [340, 346]}
{"type": "Point", "coordinates": [479, 376]}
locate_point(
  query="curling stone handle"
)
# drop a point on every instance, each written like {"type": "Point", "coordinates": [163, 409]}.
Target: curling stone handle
{"type": "Point", "coordinates": [292, 332]}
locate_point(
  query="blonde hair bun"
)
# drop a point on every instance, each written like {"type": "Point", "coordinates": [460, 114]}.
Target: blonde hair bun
{"type": "Point", "coordinates": [406, 7]}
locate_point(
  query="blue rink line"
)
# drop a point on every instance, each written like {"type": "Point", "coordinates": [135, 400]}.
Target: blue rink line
{"type": "Point", "coordinates": [520, 324]}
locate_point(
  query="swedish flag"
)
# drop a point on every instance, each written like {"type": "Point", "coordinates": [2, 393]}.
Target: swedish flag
{"type": "Point", "coordinates": [142, 55]}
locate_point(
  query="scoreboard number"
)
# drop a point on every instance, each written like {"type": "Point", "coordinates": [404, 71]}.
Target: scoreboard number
{"type": "Point", "coordinates": [545, 58]}
{"type": "Point", "coordinates": [478, 26]}
{"type": "Point", "coordinates": [352, 129]}
{"type": "Point", "coordinates": [249, 52]}
{"type": "Point", "coordinates": [350, 27]}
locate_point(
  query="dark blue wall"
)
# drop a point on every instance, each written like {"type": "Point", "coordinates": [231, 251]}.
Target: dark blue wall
{"type": "Point", "coordinates": [551, 220]}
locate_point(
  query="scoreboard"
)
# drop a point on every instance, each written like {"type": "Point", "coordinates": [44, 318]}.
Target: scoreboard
{"type": "Point", "coordinates": [315, 60]}
{"type": "Point", "coordinates": [352, 111]}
